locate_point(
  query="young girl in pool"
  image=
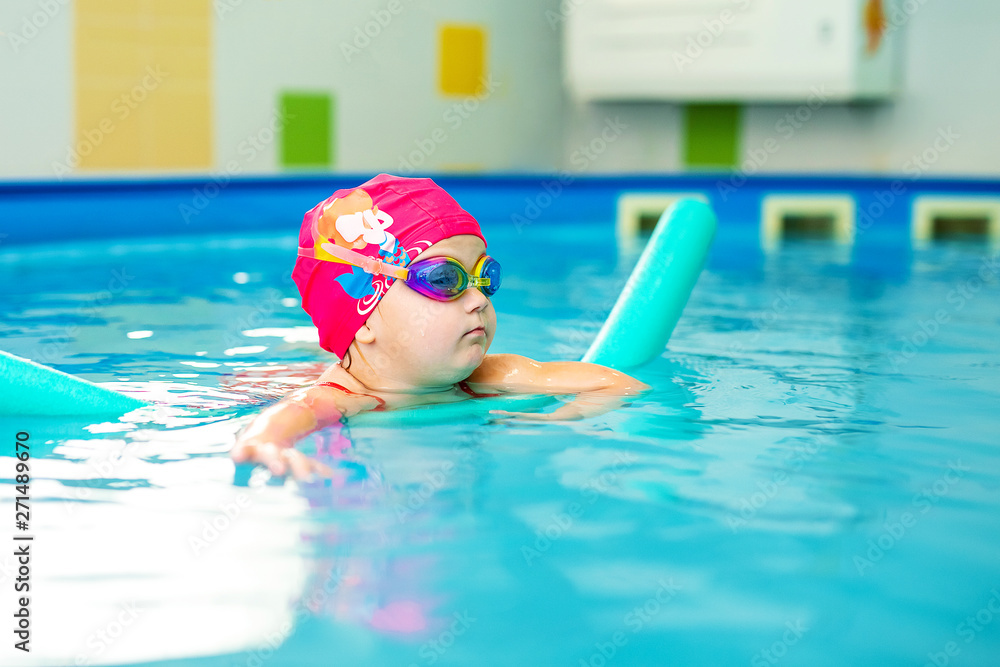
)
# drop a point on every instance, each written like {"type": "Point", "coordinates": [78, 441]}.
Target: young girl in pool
{"type": "Point", "coordinates": [395, 276]}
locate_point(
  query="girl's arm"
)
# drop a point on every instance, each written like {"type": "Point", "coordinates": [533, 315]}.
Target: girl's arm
{"type": "Point", "coordinates": [270, 438]}
{"type": "Point", "coordinates": [598, 389]}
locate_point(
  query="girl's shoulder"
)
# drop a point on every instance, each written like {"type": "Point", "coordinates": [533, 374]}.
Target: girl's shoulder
{"type": "Point", "coordinates": [353, 394]}
{"type": "Point", "coordinates": [336, 385]}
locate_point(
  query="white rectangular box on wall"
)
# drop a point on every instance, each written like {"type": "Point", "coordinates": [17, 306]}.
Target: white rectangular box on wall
{"type": "Point", "coordinates": [732, 50]}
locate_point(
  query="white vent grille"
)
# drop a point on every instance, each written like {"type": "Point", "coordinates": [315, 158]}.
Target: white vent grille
{"type": "Point", "coordinates": [729, 50]}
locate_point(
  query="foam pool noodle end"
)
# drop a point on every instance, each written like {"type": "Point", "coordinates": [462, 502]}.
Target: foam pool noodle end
{"type": "Point", "coordinates": [654, 297]}
{"type": "Point", "coordinates": [27, 388]}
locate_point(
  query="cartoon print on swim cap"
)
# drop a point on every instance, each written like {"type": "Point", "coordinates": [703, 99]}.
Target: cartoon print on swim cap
{"type": "Point", "coordinates": [354, 222]}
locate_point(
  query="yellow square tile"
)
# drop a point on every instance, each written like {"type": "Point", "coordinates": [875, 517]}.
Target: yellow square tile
{"type": "Point", "coordinates": [143, 83]}
{"type": "Point", "coordinates": [462, 59]}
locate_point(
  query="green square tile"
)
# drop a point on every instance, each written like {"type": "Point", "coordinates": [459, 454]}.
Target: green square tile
{"type": "Point", "coordinates": [307, 132]}
{"type": "Point", "coordinates": [712, 135]}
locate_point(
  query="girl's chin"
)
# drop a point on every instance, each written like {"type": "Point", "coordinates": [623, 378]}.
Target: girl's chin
{"type": "Point", "coordinates": [475, 354]}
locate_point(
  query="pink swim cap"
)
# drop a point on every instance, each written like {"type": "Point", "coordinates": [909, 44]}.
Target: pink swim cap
{"type": "Point", "coordinates": [389, 218]}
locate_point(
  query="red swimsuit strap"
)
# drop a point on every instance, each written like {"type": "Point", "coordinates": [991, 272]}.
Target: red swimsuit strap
{"type": "Point", "coordinates": [381, 402]}
{"type": "Point", "coordinates": [464, 386]}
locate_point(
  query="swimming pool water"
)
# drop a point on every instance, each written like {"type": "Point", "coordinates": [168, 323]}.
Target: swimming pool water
{"type": "Point", "coordinates": [813, 481]}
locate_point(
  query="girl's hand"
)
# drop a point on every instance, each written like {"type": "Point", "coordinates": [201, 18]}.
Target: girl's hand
{"type": "Point", "coordinates": [270, 438]}
{"type": "Point", "coordinates": [279, 459]}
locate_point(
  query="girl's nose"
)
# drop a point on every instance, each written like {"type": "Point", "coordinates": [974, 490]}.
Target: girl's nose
{"type": "Point", "coordinates": [474, 299]}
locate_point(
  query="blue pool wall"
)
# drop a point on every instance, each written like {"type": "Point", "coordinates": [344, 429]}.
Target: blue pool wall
{"type": "Point", "coordinates": [43, 212]}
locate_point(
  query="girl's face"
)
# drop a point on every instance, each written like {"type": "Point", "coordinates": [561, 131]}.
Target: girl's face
{"type": "Point", "coordinates": [425, 342]}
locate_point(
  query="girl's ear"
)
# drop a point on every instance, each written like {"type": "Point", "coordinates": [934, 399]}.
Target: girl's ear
{"type": "Point", "coordinates": [365, 334]}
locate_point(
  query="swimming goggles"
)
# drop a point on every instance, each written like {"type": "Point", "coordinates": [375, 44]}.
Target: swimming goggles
{"type": "Point", "coordinates": [440, 278]}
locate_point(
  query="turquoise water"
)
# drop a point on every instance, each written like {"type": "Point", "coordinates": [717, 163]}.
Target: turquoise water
{"type": "Point", "coordinates": [814, 480]}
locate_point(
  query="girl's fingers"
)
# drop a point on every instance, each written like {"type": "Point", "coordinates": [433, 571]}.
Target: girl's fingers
{"type": "Point", "coordinates": [280, 460]}
{"type": "Point", "coordinates": [269, 454]}
{"type": "Point", "coordinates": [246, 451]}
{"type": "Point", "coordinates": [322, 469]}
{"type": "Point", "coordinates": [239, 452]}
{"type": "Point", "coordinates": [299, 463]}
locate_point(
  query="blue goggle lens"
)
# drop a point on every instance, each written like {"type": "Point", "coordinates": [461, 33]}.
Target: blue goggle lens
{"type": "Point", "coordinates": [491, 269]}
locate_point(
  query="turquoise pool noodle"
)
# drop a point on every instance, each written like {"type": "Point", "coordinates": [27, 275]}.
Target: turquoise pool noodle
{"type": "Point", "coordinates": [27, 388]}
{"type": "Point", "coordinates": [649, 306]}
{"type": "Point", "coordinates": [635, 332]}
